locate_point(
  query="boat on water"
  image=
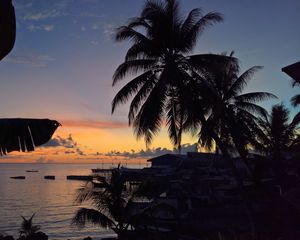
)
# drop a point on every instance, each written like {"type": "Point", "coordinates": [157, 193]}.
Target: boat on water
{"type": "Point", "coordinates": [32, 170]}
{"type": "Point", "coordinates": [18, 177]}
{"type": "Point", "coordinates": [50, 177]}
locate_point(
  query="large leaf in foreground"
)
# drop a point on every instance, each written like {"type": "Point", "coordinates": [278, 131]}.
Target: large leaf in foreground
{"type": "Point", "coordinates": [21, 134]}
{"type": "Point", "coordinates": [7, 27]}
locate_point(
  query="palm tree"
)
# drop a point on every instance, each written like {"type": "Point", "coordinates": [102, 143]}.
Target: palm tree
{"type": "Point", "coordinates": [19, 134]}
{"type": "Point", "coordinates": [232, 114]}
{"type": "Point", "coordinates": [161, 41]}
{"type": "Point", "coordinates": [280, 136]}
{"type": "Point", "coordinates": [28, 230]}
{"type": "Point", "coordinates": [112, 203]}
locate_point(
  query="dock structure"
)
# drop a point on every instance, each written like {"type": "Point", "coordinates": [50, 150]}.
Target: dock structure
{"type": "Point", "coordinates": [80, 177]}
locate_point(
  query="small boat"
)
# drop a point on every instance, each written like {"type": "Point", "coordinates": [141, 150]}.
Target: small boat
{"type": "Point", "coordinates": [18, 177]}
{"type": "Point", "coordinates": [32, 170]}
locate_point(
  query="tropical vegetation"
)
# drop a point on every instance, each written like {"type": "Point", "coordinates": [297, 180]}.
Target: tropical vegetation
{"type": "Point", "coordinates": [112, 204]}
{"type": "Point", "coordinates": [162, 42]}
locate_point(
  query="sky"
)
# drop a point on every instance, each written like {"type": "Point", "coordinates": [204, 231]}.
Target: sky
{"type": "Point", "coordinates": [64, 57]}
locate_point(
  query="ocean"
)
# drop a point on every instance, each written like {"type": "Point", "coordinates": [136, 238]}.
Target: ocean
{"type": "Point", "coordinates": [52, 201]}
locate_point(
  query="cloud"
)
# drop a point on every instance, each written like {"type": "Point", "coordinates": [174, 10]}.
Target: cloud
{"type": "Point", "coordinates": [95, 43]}
{"type": "Point", "coordinates": [109, 30]}
{"type": "Point", "coordinates": [95, 26]}
{"type": "Point", "coordinates": [47, 28]}
{"type": "Point", "coordinates": [33, 60]}
{"type": "Point", "coordinates": [42, 15]}
{"type": "Point", "coordinates": [94, 124]}
{"type": "Point", "coordinates": [69, 145]}
{"type": "Point", "coordinates": [58, 141]}
{"type": "Point", "coordinates": [150, 153]}
{"type": "Point", "coordinates": [82, 28]}
{"type": "Point", "coordinates": [43, 160]}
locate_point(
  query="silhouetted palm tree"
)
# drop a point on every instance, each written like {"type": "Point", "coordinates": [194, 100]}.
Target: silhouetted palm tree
{"type": "Point", "coordinates": [111, 202]}
{"type": "Point", "coordinates": [19, 134]}
{"type": "Point", "coordinates": [231, 113]}
{"type": "Point", "coordinates": [28, 230]}
{"type": "Point", "coordinates": [226, 116]}
{"type": "Point", "coordinates": [280, 136]}
{"type": "Point", "coordinates": [161, 41]}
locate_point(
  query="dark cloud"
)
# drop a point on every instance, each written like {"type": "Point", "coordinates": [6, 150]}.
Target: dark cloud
{"type": "Point", "coordinates": [150, 153]}
{"type": "Point", "coordinates": [70, 145]}
{"type": "Point", "coordinates": [61, 142]}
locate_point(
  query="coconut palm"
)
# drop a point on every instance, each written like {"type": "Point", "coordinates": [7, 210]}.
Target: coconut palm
{"type": "Point", "coordinates": [280, 136]}
{"type": "Point", "coordinates": [232, 113]}
{"type": "Point", "coordinates": [19, 134]}
{"type": "Point", "coordinates": [161, 44]}
{"type": "Point", "coordinates": [28, 230]}
{"type": "Point", "coordinates": [111, 202]}
{"type": "Point", "coordinates": [226, 117]}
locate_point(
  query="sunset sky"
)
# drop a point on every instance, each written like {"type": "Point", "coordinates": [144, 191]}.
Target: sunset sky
{"type": "Point", "coordinates": [62, 65]}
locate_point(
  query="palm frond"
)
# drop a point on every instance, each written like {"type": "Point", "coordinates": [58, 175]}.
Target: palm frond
{"type": "Point", "coordinates": [129, 89]}
{"type": "Point", "coordinates": [141, 51]}
{"type": "Point", "coordinates": [140, 97]}
{"type": "Point", "coordinates": [128, 33]}
{"type": "Point", "coordinates": [210, 62]}
{"type": "Point", "coordinates": [242, 81]}
{"type": "Point", "coordinates": [7, 27]}
{"type": "Point", "coordinates": [148, 121]}
{"type": "Point", "coordinates": [195, 31]}
{"type": "Point", "coordinates": [295, 100]}
{"type": "Point", "coordinates": [84, 215]}
{"type": "Point", "coordinates": [132, 67]}
{"type": "Point", "coordinates": [252, 108]}
{"type": "Point", "coordinates": [254, 97]}
{"type": "Point", "coordinates": [21, 134]}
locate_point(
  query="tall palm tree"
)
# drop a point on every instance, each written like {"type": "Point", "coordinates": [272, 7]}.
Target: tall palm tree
{"type": "Point", "coordinates": [232, 113]}
{"type": "Point", "coordinates": [161, 44]}
{"type": "Point", "coordinates": [280, 136]}
{"type": "Point", "coordinates": [19, 134]}
{"type": "Point", "coordinates": [111, 202]}
{"type": "Point", "coordinates": [226, 117]}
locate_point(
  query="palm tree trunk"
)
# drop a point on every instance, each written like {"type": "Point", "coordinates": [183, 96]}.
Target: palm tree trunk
{"type": "Point", "coordinates": [226, 156]}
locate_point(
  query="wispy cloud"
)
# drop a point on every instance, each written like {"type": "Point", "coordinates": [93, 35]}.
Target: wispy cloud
{"type": "Point", "coordinates": [93, 124]}
{"type": "Point", "coordinates": [33, 60]}
{"type": "Point", "coordinates": [42, 15]}
{"type": "Point", "coordinates": [47, 28]}
{"type": "Point", "coordinates": [44, 160]}
{"type": "Point", "coordinates": [95, 43]}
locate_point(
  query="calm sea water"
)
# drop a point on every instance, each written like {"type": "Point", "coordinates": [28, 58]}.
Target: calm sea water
{"type": "Point", "coordinates": [51, 200]}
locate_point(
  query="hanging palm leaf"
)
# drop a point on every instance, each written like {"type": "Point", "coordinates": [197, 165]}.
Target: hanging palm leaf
{"type": "Point", "coordinates": [21, 134]}
{"type": "Point", "coordinates": [7, 27]}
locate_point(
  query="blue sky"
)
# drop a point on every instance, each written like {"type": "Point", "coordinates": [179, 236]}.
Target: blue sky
{"type": "Point", "coordinates": [64, 57]}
